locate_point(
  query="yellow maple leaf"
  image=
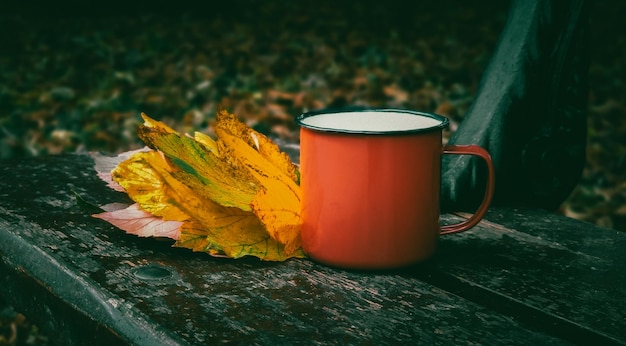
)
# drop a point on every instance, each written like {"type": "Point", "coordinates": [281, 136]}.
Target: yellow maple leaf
{"type": "Point", "coordinates": [229, 231]}
{"type": "Point", "coordinates": [228, 125]}
{"type": "Point", "coordinates": [236, 197]}
{"type": "Point", "coordinates": [142, 177]}
{"type": "Point", "coordinates": [274, 203]}
{"type": "Point", "coordinates": [200, 167]}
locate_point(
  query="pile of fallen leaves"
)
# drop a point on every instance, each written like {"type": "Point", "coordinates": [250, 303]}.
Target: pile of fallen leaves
{"type": "Point", "coordinates": [231, 197]}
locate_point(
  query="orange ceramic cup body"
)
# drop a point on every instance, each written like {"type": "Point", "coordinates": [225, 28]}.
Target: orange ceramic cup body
{"type": "Point", "coordinates": [370, 187]}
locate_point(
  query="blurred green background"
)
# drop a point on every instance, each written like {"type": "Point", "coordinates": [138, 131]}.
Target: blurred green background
{"type": "Point", "coordinates": [74, 76]}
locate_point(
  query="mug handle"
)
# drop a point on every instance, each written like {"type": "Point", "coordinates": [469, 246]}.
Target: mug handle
{"type": "Point", "coordinates": [482, 209]}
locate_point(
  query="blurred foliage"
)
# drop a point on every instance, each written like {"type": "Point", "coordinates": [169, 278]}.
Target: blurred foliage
{"type": "Point", "coordinates": [600, 197]}
{"type": "Point", "coordinates": [15, 329]}
{"type": "Point", "coordinates": [76, 80]}
{"type": "Point", "coordinates": [79, 82]}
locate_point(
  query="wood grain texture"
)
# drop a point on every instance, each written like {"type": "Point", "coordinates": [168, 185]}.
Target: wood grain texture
{"type": "Point", "coordinates": [85, 281]}
{"type": "Point", "coordinates": [570, 272]}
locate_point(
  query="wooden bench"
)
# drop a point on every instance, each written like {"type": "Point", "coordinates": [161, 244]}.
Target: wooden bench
{"type": "Point", "coordinates": [519, 277]}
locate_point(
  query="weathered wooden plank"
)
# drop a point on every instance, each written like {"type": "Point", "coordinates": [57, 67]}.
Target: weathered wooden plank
{"type": "Point", "coordinates": [551, 269]}
{"type": "Point", "coordinates": [88, 282]}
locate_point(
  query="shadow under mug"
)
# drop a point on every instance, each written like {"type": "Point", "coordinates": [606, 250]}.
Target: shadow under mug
{"type": "Point", "coordinates": [370, 184]}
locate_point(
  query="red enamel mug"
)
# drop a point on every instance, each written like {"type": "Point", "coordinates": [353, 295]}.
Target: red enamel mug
{"type": "Point", "coordinates": [370, 184]}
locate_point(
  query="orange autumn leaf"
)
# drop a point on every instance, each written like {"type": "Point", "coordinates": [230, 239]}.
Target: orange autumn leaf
{"type": "Point", "coordinates": [237, 196]}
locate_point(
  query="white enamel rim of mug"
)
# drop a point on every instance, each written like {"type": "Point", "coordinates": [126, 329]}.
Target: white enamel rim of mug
{"type": "Point", "coordinates": [372, 121]}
